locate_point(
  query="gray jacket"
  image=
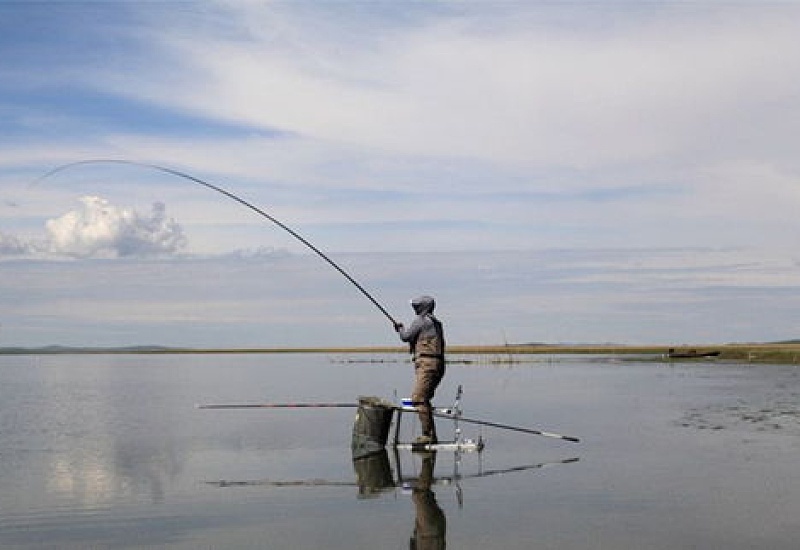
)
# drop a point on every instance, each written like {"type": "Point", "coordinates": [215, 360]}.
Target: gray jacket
{"type": "Point", "coordinates": [425, 336]}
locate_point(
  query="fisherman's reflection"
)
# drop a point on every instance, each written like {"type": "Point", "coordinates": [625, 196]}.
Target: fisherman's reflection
{"type": "Point", "coordinates": [374, 476]}
{"type": "Point", "coordinates": [430, 523]}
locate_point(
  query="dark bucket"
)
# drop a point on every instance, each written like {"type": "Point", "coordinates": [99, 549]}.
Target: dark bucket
{"type": "Point", "coordinates": [371, 426]}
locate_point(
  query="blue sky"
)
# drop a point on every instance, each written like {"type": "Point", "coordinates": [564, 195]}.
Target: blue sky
{"type": "Point", "coordinates": [654, 141]}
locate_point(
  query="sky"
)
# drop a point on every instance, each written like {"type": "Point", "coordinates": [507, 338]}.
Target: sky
{"type": "Point", "coordinates": [584, 171]}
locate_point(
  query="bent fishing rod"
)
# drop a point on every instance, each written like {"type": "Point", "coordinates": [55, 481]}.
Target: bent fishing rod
{"type": "Point", "coordinates": [230, 195]}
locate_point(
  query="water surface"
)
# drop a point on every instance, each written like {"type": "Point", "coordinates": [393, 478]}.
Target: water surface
{"type": "Point", "coordinates": [111, 452]}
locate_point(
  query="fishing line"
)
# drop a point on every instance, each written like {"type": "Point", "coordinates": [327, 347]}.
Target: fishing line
{"type": "Point", "coordinates": [230, 195]}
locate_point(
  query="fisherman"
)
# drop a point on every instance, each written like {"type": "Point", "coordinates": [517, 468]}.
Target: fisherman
{"type": "Point", "coordinates": [425, 338]}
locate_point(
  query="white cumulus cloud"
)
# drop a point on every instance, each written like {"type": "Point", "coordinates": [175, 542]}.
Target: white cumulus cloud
{"type": "Point", "coordinates": [100, 229]}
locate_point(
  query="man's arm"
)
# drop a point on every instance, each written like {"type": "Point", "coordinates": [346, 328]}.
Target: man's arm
{"type": "Point", "coordinates": [411, 333]}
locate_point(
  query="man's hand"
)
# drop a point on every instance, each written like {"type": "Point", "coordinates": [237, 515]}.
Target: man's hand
{"type": "Point", "coordinates": [398, 327]}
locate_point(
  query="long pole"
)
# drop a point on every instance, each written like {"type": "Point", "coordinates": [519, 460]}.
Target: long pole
{"type": "Point", "coordinates": [230, 195]}
{"type": "Point", "coordinates": [395, 407]}
{"type": "Point", "coordinates": [507, 427]}
{"type": "Point", "coordinates": [281, 406]}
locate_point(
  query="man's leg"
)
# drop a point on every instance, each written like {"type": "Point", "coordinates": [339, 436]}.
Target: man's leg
{"type": "Point", "coordinates": [424, 387]}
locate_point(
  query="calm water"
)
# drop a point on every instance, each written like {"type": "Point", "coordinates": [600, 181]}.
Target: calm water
{"type": "Point", "coordinates": [111, 452]}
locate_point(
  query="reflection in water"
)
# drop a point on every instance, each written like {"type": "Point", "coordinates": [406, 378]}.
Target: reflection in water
{"type": "Point", "coordinates": [81, 438]}
{"type": "Point", "coordinates": [377, 476]}
{"type": "Point", "coordinates": [373, 474]}
{"type": "Point", "coordinates": [430, 523]}
{"type": "Point", "coordinates": [374, 478]}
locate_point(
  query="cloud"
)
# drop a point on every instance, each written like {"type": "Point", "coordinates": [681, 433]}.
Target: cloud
{"type": "Point", "coordinates": [511, 124]}
{"type": "Point", "coordinates": [652, 86]}
{"type": "Point", "coordinates": [100, 229]}
{"type": "Point", "coordinates": [630, 296]}
{"type": "Point", "coordinates": [11, 245]}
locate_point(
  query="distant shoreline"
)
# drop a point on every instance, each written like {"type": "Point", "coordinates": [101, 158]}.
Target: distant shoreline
{"type": "Point", "coordinates": [777, 353]}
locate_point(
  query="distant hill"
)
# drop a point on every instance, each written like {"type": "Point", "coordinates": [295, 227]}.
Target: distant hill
{"type": "Point", "coordinates": [55, 349]}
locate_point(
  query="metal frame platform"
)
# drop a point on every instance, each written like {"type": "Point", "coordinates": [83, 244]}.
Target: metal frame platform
{"type": "Point", "coordinates": [458, 444]}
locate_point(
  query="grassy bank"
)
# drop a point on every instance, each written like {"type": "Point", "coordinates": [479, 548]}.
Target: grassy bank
{"type": "Point", "coordinates": [747, 353]}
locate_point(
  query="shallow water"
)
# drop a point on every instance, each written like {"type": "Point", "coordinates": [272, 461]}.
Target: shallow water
{"type": "Point", "coordinates": [111, 452]}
